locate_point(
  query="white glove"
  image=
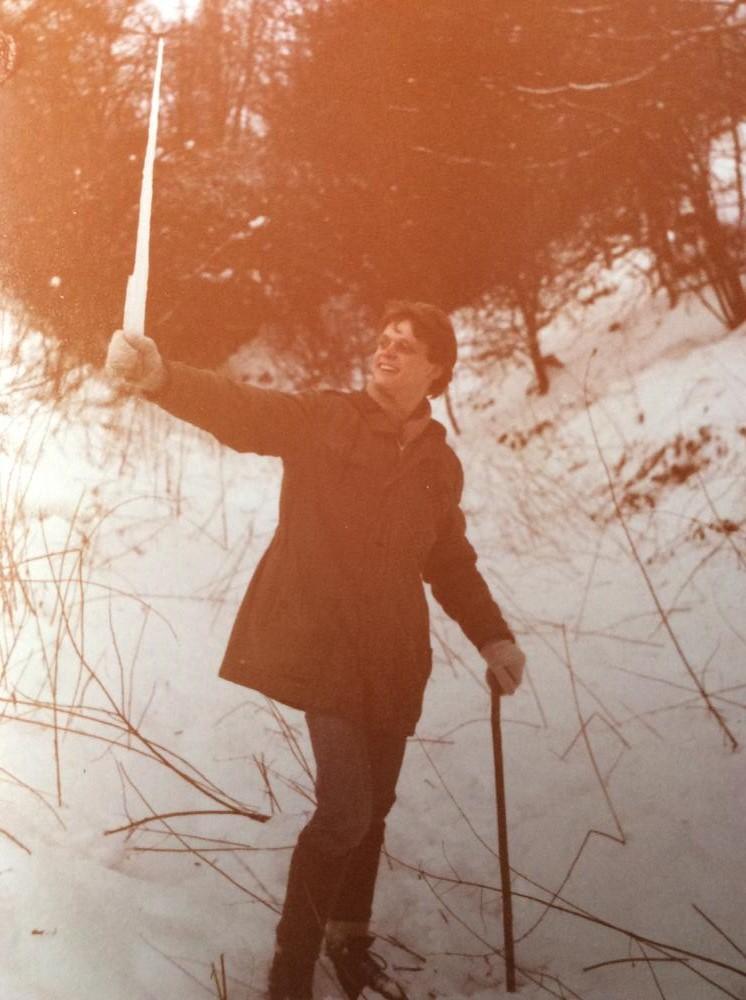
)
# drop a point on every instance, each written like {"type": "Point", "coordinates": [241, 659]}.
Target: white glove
{"type": "Point", "coordinates": [135, 360]}
{"type": "Point", "coordinates": [505, 663]}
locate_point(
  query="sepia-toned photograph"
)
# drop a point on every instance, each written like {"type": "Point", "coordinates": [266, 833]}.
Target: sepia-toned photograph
{"type": "Point", "coordinates": [372, 499]}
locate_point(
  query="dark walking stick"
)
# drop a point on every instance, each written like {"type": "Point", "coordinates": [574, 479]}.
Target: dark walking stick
{"type": "Point", "coordinates": [502, 837]}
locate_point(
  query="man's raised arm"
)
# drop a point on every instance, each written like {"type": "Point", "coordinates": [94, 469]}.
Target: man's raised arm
{"type": "Point", "coordinates": [242, 417]}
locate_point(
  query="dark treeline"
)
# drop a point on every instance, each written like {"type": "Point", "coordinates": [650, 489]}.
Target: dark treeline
{"type": "Point", "coordinates": [318, 159]}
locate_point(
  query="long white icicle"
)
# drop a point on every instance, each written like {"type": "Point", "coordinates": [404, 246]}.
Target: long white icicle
{"type": "Point", "coordinates": [137, 283]}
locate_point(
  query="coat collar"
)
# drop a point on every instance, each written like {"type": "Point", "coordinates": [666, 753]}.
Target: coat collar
{"type": "Point", "coordinates": [420, 422]}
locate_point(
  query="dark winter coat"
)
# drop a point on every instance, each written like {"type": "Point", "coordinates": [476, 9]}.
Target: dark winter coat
{"type": "Point", "coordinates": [335, 617]}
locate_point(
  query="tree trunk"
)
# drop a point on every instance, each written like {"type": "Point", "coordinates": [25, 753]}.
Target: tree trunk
{"type": "Point", "coordinates": [534, 350]}
{"type": "Point", "coordinates": [723, 270]}
{"type": "Point", "coordinates": [450, 412]}
{"type": "Point", "coordinates": [720, 266]}
{"type": "Point", "coordinates": [738, 153]}
{"type": "Point", "coordinates": [665, 264]}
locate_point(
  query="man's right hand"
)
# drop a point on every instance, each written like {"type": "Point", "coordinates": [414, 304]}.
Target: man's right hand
{"type": "Point", "coordinates": [135, 360]}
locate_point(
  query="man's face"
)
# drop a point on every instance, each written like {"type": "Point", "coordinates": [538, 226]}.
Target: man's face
{"type": "Point", "coordinates": [401, 366]}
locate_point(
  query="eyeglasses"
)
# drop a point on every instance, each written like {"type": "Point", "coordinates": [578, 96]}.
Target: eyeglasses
{"type": "Point", "coordinates": [385, 343]}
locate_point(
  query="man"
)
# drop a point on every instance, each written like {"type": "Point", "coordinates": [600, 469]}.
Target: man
{"type": "Point", "coordinates": [335, 620]}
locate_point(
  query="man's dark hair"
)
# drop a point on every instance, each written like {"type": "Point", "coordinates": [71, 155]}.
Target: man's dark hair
{"type": "Point", "coordinates": [434, 329]}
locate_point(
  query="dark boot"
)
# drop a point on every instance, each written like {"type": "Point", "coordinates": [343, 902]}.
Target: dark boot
{"type": "Point", "coordinates": [290, 977]}
{"type": "Point", "coordinates": [358, 968]}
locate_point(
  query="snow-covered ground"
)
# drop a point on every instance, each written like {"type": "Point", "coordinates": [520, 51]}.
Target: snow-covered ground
{"type": "Point", "coordinates": [128, 862]}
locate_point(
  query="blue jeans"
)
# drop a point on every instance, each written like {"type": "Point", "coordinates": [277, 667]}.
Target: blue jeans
{"type": "Point", "coordinates": [335, 862]}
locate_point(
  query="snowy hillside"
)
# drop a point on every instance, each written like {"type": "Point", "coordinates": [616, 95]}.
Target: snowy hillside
{"type": "Point", "coordinates": [609, 518]}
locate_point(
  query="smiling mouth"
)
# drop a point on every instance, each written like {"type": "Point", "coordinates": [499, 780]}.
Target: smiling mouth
{"type": "Point", "coordinates": [382, 366]}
